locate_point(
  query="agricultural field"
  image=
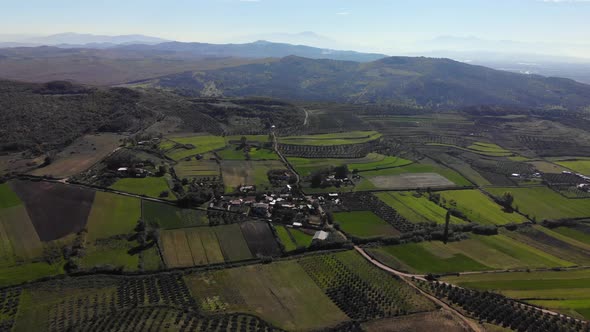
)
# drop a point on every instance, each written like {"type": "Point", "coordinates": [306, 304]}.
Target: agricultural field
{"type": "Point", "coordinates": [479, 208]}
{"type": "Point", "coordinates": [281, 293]}
{"type": "Point", "coordinates": [197, 168]}
{"type": "Point", "coordinates": [191, 145]}
{"type": "Point", "coordinates": [169, 217]}
{"type": "Point", "coordinates": [55, 209]}
{"type": "Point", "coordinates": [204, 245]}
{"type": "Point", "coordinates": [579, 165]}
{"type": "Point", "coordinates": [564, 291]}
{"type": "Point", "coordinates": [479, 253]}
{"type": "Point", "coordinates": [543, 203]}
{"type": "Point", "coordinates": [547, 167]}
{"type": "Point", "coordinates": [373, 161]}
{"type": "Point", "coordinates": [236, 173]}
{"type": "Point", "coordinates": [111, 215]}
{"type": "Point", "coordinates": [110, 252]}
{"type": "Point", "coordinates": [486, 149]}
{"type": "Point", "coordinates": [260, 239]}
{"type": "Point", "coordinates": [416, 207]}
{"type": "Point", "coordinates": [150, 186]}
{"type": "Point", "coordinates": [293, 238]}
{"type": "Point", "coordinates": [80, 155]}
{"type": "Point", "coordinates": [428, 321]}
{"type": "Point", "coordinates": [414, 176]}
{"type": "Point", "coordinates": [364, 224]}
{"type": "Point", "coordinates": [352, 137]}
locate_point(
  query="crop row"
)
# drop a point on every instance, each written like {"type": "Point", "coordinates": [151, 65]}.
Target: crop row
{"type": "Point", "coordinates": [359, 298]}
{"type": "Point", "coordinates": [327, 151]}
{"type": "Point", "coordinates": [500, 310]}
{"type": "Point", "coordinates": [367, 201]}
{"type": "Point", "coordinates": [9, 300]}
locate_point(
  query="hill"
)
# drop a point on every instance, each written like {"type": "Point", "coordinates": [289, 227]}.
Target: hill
{"type": "Point", "coordinates": [414, 80]}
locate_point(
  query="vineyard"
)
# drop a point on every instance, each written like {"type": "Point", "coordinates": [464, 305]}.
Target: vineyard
{"type": "Point", "coordinates": [360, 290]}
{"type": "Point", "coordinates": [9, 299]}
{"type": "Point", "coordinates": [327, 151]}
{"type": "Point", "coordinates": [500, 310]}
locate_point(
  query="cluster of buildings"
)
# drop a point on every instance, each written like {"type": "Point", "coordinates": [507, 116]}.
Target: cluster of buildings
{"type": "Point", "coordinates": [137, 171]}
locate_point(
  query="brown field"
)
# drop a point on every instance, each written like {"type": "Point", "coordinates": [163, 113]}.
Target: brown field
{"type": "Point", "coordinates": [242, 172]}
{"type": "Point", "coordinates": [427, 321]}
{"type": "Point", "coordinates": [260, 239]}
{"type": "Point", "coordinates": [15, 163]}
{"type": "Point", "coordinates": [547, 167]}
{"type": "Point", "coordinates": [80, 155]}
{"type": "Point", "coordinates": [410, 180]}
{"type": "Point", "coordinates": [16, 227]}
{"type": "Point", "coordinates": [55, 209]}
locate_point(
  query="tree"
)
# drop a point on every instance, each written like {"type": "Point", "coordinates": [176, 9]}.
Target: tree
{"type": "Point", "coordinates": [316, 180]}
{"type": "Point", "coordinates": [447, 221]}
{"type": "Point", "coordinates": [507, 200]}
{"type": "Point", "coordinates": [341, 172]}
{"type": "Point", "coordinates": [162, 169]}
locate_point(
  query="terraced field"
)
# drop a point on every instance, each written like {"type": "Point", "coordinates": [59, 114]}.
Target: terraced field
{"type": "Point", "coordinates": [564, 291]}
{"type": "Point", "coordinates": [373, 161]}
{"type": "Point", "coordinates": [352, 137]}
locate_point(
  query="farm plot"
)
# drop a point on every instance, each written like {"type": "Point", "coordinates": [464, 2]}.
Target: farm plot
{"type": "Point", "coordinates": [361, 290]}
{"type": "Point", "coordinates": [197, 169]}
{"type": "Point", "coordinates": [149, 186]}
{"type": "Point", "coordinates": [479, 253]}
{"type": "Point", "coordinates": [553, 243]}
{"type": "Point", "coordinates": [56, 210]}
{"type": "Point", "coordinates": [18, 238]}
{"type": "Point", "coordinates": [204, 245]}
{"type": "Point", "coordinates": [547, 167]}
{"type": "Point", "coordinates": [487, 149]}
{"type": "Point", "coordinates": [192, 145]}
{"type": "Point", "coordinates": [112, 215]}
{"type": "Point", "coordinates": [260, 239]}
{"type": "Point", "coordinates": [236, 173]}
{"type": "Point", "coordinates": [579, 165]}
{"type": "Point", "coordinates": [427, 321]}
{"type": "Point", "coordinates": [415, 176]}
{"type": "Point", "coordinates": [479, 208]}
{"type": "Point", "coordinates": [280, 293]}
{"type": "Point", "coordinates": [110, 252]}
{"type": "Point", "coordinates": [80, 155]}
{"type": "Point", "coordinates": [416, 207]}
{"type": "Point", "coordinates": [564, 291]}
{"type": "Point", "coordinates": [543, 203]}
{"type": "Point", "coordinates": [169, 216]}
{"type": "Point", "coordinates": [373, 161]}
{"type": "Point", "coordinates": [364, 224]}
{"type": "Point", "coordinates": [285, 237]}
{"type": "Point", "coordinates": [352, 137]}
{"type": "Point", "coordinates": [293, 238]}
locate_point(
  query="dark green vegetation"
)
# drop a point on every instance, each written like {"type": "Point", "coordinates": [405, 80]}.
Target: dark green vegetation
{"type": "Point", "coordinates": [363, 224]}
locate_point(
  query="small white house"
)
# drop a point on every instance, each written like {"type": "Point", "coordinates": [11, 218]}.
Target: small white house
{"type": "Point", "coordinates": [320, 235]}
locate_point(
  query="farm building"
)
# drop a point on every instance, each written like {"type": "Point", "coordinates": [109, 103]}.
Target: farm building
{"type": "Point", "coordinates": [320, 235]}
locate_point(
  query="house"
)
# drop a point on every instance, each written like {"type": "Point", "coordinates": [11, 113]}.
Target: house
{"type": "Point", "coordinates": [297, 224]}
{"type": "Point", "coordinates": [246, 189]}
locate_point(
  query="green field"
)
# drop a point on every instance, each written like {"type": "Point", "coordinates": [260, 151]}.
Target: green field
{"type": "Point", "coordinates": [112, 253]}
{"type": "Point", "coordinates": [544, 203]}
{"type": "Point", "coordinates": [196, 168]}
{"type": "Point", "coordinates": [28, 272]}
{"type": "Point", "coordinates": [487, 149]}
{"type": "Point", "coordinates": [112, 215]}
{"type": "Point", "coordinates": [7, 197]}
{"type": "Point", "coordinates": [285, 238]}
{"type": "Point", "coordinates": [281, 293]}
{"type": "Point", "coordinates": [306, 166]}
{"type": "Point", "coordinates": [149, 186]}
{"type": "Point", "coordinates": [475, 254]}
{"type": "Point", "coordinates": [479, 208]}
{"type": "Point", "coordinates": [564, 291]}
{"type": "Point", "coordinates": [574, 234]}
{"type": "Point", "coordinates": [397, 180]}
{"type": "Point", "coordinates": [201, 145]}
{"type": "Point", "coordinates": [416, 207]}
{"type": "Point", "coordinates": [581, 165]}
{"type": "Point", "coordinates": [364, 224]}
{"type": "Point", "coordinates": [302, 239]}
{"type": "Point", "coordinates": [169, 216]}
{"type": "Point", "coordinates": [352, 137]}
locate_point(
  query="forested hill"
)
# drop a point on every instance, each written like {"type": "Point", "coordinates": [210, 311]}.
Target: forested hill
{"type": "Point", "coordinates": [424, 81]}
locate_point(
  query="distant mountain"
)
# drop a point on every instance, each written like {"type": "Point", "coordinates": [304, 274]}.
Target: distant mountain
{"type": "Point", "coordinates": [258, 49]}
{"type": "Point", "coordinates": [79, 39]}
{"type": "Point", "coordinates": [416, 80]}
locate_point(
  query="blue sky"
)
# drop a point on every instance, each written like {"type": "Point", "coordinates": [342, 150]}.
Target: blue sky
{"type": "Point", "coordinates": [366, 24]}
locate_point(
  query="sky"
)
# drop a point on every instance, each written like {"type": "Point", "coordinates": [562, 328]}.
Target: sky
{"type": "Point", "coordinates": [375, 25]}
